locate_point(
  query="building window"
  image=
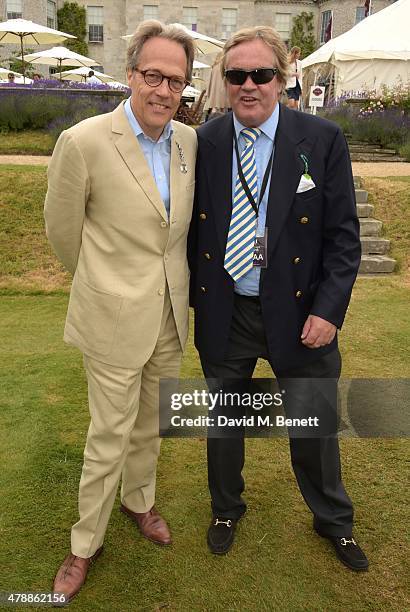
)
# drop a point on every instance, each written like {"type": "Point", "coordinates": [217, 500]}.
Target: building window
{"type": "Point", "coordinates": [51, 14]}
{"type": "Point", "coordinates": [95, 16]}
{"type": "Point", "coordinates": [151, 11]}
{"type": "Point", "coordinates": [325, 18]}
{"type": "Point", "coordinates": [360, 13]}
{"type": "Point", "coordinates": [190, 17]}
{"type": "Point", "coordinates": [282, 24]}
{"type": "Point", "coordinates": [229, 20]}
{"type": "Point", "coordinates": [14, 9]}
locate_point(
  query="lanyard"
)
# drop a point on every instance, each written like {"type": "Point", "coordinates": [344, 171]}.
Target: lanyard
{"type": "Point", "coordinates": [243, 180]}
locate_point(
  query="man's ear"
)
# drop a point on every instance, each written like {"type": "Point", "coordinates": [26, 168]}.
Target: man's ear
{"type": "Point", "coordinates": [129, 77]}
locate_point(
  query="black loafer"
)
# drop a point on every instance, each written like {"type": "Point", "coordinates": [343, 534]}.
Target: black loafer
{"type": "Point", "coordinates": [349, 552]}
{"type": "Point", "coordinates": [221, 534]}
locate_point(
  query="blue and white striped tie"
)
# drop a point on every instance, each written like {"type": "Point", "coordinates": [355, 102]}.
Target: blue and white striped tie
{"type": "Point", "coordinates": [242, 229]}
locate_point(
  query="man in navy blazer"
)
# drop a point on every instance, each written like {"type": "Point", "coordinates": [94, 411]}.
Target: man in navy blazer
{"type": "Point", "coordinates": [274, 251]}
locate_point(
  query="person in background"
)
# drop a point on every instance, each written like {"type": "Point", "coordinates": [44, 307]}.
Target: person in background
{"type": "Point", "coordinates": [11, 77]}
{"type": "Point", "coordinates": [217, 97]}
{"type": "Point", "coordinates": [294, 82]}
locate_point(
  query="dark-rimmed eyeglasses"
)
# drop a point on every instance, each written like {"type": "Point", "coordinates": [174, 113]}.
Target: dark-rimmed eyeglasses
{"type": "Point", "coordinates": [259, 76]}
{"type": "Point", "coordinates": [154, 78]}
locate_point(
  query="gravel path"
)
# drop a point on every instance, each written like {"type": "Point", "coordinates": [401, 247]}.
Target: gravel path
{"type": "Point", "coordinates": [25, 160]}
{"type": "Point", "coordinates": [359, 168]}
{"type": "Point", "coordinates": [381, 168]}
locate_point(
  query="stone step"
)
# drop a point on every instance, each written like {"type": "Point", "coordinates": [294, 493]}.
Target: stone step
{"type": "Point", "coordinates": [364, 210]}
{"type": "Point", "coordinates": [371, 149]}
{"type": "Point", "coordinates": [353, 141]}
{"type": "Point", "coordinates": [374, 157]}
{"type": "Point", "coordinates": [358, 182]}
{"type": "Point", "coordinates": [376, 264]}
{"type": "Point", "coordinates": [361, 196]}
{"type": "Point", "coordinates": [372, 245]}
{"type": "Point", "coordinates": [370, 227]}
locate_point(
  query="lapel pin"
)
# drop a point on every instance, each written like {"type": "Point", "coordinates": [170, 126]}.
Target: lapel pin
{"type": "Point", "coordinates": [183, 166]}
{"type": "Point", "coordinates": [305, 162]}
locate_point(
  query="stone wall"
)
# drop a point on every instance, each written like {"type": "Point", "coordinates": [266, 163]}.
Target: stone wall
{"type": "Point", "coordinates": [122, 16]}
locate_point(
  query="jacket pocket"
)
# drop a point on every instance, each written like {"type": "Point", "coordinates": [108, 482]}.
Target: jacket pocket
{"type": "Point", "coordinates": [92, 317]}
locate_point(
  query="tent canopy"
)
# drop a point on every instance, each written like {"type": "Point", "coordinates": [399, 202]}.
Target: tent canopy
{"type": "Point", "coordinates": [383, 35]}
{"type": "Point", "coordinates": [375, 52]}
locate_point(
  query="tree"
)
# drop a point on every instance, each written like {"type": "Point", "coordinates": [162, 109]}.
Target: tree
{"type": "Point", "coordinates": [302, 34]}
{"type": "Point", "coordinates": [16, 65]}
{"type": "Point", "coordinates": [72, 20]}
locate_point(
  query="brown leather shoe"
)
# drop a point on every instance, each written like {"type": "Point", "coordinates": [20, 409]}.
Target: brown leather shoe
{"type": "Point", "coordinates": [72, 574]}
{"type": "Point", "coordinates": [151, 525]}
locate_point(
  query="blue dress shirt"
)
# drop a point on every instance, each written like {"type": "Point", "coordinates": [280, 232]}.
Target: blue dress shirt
{"type": "Point", "coordinates": [249, 283]}
{"type": "Point", "coordinates": [156, 152]}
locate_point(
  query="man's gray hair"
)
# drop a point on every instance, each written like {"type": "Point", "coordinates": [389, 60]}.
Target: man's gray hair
{"type": "Point", "coordinates": [156, 29]}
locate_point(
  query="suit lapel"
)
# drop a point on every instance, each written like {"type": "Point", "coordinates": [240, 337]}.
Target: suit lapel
{"type": "Point", "coordinates": [217, 157]}
{"type": "Point", "coordinates": [133, 157]}
{"type": "Point", "coordinates": [286, 172]}
{"type": "Point", "coordinates": [175, 168]}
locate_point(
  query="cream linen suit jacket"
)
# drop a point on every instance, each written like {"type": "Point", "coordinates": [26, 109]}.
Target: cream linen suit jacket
{"type": "Point", "coordinates": [108, 225]}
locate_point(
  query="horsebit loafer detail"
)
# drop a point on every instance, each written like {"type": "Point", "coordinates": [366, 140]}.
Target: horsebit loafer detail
{"type": "Point", "coordinates": [349, 552]}
{"type": "Point", "coordinates": [221, 534]}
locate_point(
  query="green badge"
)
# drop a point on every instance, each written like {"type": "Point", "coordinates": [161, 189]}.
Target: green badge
{"type": "Point", "coordinates": [305, 161]}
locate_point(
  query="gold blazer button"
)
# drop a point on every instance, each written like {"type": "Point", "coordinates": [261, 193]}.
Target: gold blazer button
{"type": "Point", "coordinates": [202, 216]}
{"type": "Point", "coordinates": [207, 256]}
{"type": "Point", "coordinates": [203, 289]}
{"type": "Point", "coordinates": [304, 219]}
{"type": "Point", "coordinates": [296, 260]}
{"type": "Point", "coordinates": [298, 294]}
{"type": "Point", "coordinates": [164, 224]}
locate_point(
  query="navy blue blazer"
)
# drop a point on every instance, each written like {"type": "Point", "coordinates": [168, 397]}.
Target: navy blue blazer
{"type": "Point", "coordinates": [313, 237]}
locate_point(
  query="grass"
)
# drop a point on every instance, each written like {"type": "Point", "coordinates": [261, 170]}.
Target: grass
{"type": "Point", "coordinates": [27, 142]}
{"type": "Point", "coordinates": [26, 259]}
{"type": "Point", "coordinates": [278, 563]}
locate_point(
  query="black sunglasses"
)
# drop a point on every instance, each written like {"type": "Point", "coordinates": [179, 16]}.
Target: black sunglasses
{"type": "Point", "coordinates": [259, 76]}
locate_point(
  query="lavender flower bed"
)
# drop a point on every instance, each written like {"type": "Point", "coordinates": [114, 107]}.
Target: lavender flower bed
{"type": "Point", "coordinates": [383, 120]}
{"type": "Point", "coordinates": [54, 105]}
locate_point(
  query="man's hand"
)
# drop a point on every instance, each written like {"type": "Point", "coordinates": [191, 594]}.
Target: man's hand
{"type": "Point", "coordinates": [317, 332]}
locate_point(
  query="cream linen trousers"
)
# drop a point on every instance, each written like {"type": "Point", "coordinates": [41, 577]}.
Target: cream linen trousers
{"type": "Point", "coordinates": [123, 437]}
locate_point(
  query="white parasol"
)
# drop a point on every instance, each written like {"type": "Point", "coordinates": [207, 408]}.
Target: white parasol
{"type": "Point", "coordinates": [59, 56]}
{"type": "Point", "coordinates": [19, 30]}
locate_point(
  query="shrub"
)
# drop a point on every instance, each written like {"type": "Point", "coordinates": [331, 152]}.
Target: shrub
{"type": "Point", "coordinates": [404, 150]}
{"type": "Point", "coordinates": [81, 109]}
{"type": "Point", "coordinates": [383, 120]}
{"type": "Point", "coordinates": [343, 115]}
{"type": "Point", "coordinates": [385, 127]}
{"type": "Point", "coordinates": [39, 107]}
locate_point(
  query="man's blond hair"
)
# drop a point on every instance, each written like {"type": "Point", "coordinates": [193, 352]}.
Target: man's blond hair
{"type": "Point", "coordinates": [271, 38]}
{"type": "Point", "coordinates": [155, 29]}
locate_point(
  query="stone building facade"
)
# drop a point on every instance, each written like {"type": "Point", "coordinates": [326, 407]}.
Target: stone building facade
{"type": "Point", "coordinates": [108, 20]}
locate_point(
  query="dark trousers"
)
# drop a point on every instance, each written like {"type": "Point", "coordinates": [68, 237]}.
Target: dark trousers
{"type": "Point", "coordinates": [315, 461]}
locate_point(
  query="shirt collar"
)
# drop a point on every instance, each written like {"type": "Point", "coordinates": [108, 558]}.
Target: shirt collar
{"type": "Point", "coordinates": [137, 129]}
{"type": "Point", "coordinates": [268, 127]}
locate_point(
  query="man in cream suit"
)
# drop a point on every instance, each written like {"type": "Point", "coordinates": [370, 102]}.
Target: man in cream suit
{"type": "Point", "coordinates": [117, 213]}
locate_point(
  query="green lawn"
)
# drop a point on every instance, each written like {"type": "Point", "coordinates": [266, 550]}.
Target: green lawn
{"type": "Point", "coordinates": [278, 563]}
{"type": "Point", "coordinates": [27, 142]}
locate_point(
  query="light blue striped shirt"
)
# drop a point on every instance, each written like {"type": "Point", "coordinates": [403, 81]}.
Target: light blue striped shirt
{"type": "Point", "coordinates": [157, 153]}
{"type": "Point", "coordinates": [249, 283]}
